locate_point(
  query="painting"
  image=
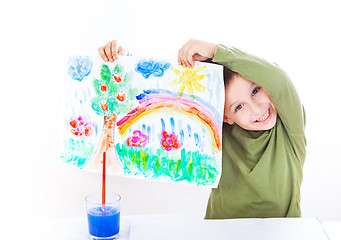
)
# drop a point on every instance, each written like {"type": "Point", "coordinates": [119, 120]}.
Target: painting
{"type": "Point", "coordinates": [155, 119]}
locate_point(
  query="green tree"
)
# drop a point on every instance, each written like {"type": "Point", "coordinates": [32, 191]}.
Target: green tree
{"type": "Point", "coordinates": [114, 95]}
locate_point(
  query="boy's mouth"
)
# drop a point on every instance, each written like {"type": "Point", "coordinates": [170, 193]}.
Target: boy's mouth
{"type": "Point", "coordinates": [264, 118]}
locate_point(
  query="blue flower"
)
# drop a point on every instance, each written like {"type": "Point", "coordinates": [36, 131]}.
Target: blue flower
{"type": "Point", "coordinates": [150, 67]}
{"type": "Point", "coordinates": [79, 67]}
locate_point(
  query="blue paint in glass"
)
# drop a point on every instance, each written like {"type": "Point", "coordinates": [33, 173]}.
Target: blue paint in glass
{"type": "Point", "coordinates": [103, 223]}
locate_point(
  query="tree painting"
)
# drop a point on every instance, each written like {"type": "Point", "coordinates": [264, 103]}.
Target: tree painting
{"type": "Point", "coordinates": [114, 95]}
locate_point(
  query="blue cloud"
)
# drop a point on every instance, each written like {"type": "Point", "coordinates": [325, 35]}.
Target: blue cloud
{"type": "Point", "coordinates": [149, 67]}
{"type": "Point", "coordinates": [79, 67]}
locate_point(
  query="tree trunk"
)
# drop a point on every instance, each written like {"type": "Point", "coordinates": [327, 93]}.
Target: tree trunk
{"type": "Point", "coordinates": [107, 144]}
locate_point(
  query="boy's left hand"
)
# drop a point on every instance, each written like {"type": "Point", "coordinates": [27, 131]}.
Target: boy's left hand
{"type": "Point", "coordinates": [196, 50]}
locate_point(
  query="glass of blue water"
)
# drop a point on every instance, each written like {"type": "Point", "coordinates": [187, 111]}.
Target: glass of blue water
{"type": "Point", "coordinates": [103, 220]}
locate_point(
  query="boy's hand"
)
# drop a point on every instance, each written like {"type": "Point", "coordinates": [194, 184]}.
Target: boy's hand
{"type": "Point", "coordinates": [111, 50]}
{"type": "Point", "coordinates": [195, 50]}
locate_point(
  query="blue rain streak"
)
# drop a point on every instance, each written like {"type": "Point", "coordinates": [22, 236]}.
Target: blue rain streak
{"type": "Point", "coordinates": [202, 143]}
{"type": "Point", "coordinates": [180, 124]}
{"type": "Point", "coordinates": [172, 123]}
{"type": "Point", "coordinates": [148, 133]}
{"type": "Point", "coordinates": [189, 130]}
{"type": "Point", "coordinates": [182, 135]}
{"type": "Point", "coordinates": [163, 124]}
{"type": "Point", "coordinates": [202, 146]}
{"type": "Point", "coordinates": [196, 139]}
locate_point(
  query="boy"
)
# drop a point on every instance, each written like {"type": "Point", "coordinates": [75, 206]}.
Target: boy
{"type": "Point", "coordinates": [264, 144]}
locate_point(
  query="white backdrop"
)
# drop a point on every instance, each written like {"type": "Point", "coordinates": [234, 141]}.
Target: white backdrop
{"type": "Point", "coordinates": [38, 36]}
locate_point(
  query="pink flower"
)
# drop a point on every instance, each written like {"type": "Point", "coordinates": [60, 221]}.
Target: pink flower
{"type": "Point", "coordinates": [81, 127]}
{"type": "Point", "coordinates": [138, 139]}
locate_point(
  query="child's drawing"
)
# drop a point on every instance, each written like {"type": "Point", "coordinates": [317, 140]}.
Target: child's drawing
{"type": "Point", "coordinates": [153, 118]}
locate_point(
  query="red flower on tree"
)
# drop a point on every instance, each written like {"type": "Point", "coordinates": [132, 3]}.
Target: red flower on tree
{"type": "Point", "coordinates": [121, 96]}
{"type": "Point", "coordinates": [118, 79]}
{"type": "Point", "coordinates": [104, 88]}
{"type": "Point", "coordinates": [104, 106]}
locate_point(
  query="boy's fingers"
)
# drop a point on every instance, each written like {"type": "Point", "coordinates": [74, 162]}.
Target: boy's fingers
{"type": "Point", "coordinates": [182, 56]}
{"type": "Point", "coordinates": [181, 53]}
{"type": "Point", "coordinates": [179, 61]}
{"type": "Point", "coordinates": [114, 49]}
{"type": "Point", "coordinates": [189, 56]}
{"type": "Point", "coordinates": [111, 50]}
{"type": "Point", "coordinates": [107, 50]}
{"type": "Point", "coordinates": [186, 58]}
{"type": "Point", "coordinates": [198, 57]}
{"type": "Point", "coordinates": [102, 54]}
{"type": "Point", "coordinates": [121, 51]}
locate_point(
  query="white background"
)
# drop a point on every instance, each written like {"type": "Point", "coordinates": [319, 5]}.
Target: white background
{"type": "Point", "coordinates": [37, 37]}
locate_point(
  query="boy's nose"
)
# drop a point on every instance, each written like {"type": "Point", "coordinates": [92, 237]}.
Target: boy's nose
{"type": "Point", "coordinates": [256, 108]}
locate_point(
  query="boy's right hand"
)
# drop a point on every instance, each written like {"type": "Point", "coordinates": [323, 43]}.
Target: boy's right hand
{"type": "Point", "coordinates": [111, 50]}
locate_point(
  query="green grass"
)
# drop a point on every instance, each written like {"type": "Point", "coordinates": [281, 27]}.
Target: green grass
{"type": "Point", "coordinates": [77, 152]}
{"type": "Point", "coordinates": [176, 165]}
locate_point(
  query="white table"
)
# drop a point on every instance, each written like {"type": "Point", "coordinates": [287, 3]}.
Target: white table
{"type": "Point", "coordinates": [333, 230]}
{"type": "Point", "coordinates": [77, 229]}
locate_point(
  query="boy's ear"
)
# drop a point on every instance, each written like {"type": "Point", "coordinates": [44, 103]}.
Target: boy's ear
{"type": "Point", "coordinates": [227, 120]}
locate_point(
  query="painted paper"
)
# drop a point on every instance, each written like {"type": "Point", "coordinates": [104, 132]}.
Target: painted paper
{"type": "Point", "coordinates": [154, 119]}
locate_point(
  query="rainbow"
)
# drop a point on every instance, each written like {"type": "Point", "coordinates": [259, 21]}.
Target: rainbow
{"type": "Point", "coordinates": [156, 99]}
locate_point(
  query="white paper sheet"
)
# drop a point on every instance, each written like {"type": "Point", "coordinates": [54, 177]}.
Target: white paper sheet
{"type": "Point", "coordinates": [154, 119]}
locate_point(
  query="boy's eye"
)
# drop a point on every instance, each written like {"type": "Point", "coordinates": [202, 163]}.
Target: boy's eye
{"type": "Point", "coordinates": [255, 91]}
{"type": "Point", "coordinates": [239, 107]}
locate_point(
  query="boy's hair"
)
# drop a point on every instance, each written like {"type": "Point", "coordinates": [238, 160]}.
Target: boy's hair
{"type": "Point", "coordinates": [228, 75]}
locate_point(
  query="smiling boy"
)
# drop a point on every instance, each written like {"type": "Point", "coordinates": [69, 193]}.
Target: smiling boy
{"type": "Point", "coordinates": [264, 144]}
{"type": "Point", "coordinates": [248, 105]}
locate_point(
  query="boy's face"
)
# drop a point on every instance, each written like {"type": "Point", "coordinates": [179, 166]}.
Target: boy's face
{"type": "Point", "coordinates": [248, 105]}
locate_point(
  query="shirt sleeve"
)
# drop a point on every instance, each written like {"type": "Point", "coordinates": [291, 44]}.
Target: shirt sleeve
{"type": "Point", "coordinates": [273, 79]}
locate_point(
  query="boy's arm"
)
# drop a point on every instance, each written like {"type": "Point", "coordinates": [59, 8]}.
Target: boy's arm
{"type": "Point", "coordinates": [277, 83]}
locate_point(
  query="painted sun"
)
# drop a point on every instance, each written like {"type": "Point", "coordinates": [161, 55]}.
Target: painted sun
{"type": "Point", "coordinates": [188, 78]}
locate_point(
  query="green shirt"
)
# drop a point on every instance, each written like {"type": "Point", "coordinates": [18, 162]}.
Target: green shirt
{"type": "Point", "coordinates": [261, 170]}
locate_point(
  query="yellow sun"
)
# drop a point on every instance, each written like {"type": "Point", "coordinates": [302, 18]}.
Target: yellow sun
{"type": "Point", "coordinates": [188, 78]}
